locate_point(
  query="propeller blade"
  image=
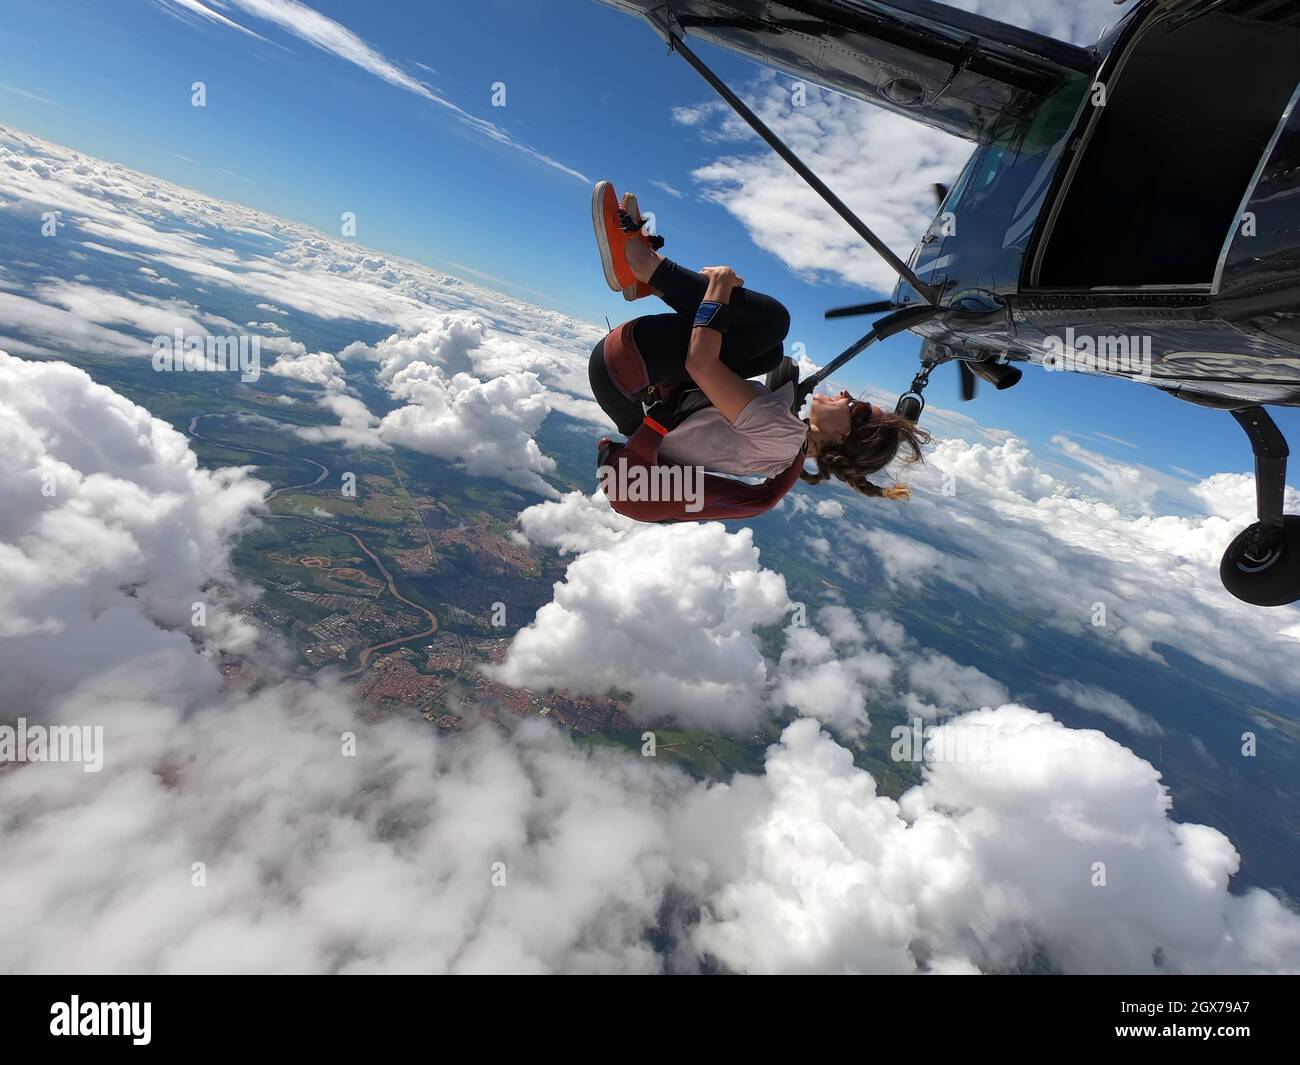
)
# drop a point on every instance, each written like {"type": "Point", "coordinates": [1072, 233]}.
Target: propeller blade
{"type": "Point", "coordinates": [860, 308]}
{"type": "Point", "coordinates": [967, 381]}
{"type": "Point", "coordinates": [940, 194]}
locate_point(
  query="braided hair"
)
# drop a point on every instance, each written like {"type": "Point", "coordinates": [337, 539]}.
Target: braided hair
{"type": "Point", "coordinates": [871, 445]}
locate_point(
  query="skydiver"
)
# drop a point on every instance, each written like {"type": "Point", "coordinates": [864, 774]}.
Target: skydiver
{"type": "Point", "coordinates": [748, 431]}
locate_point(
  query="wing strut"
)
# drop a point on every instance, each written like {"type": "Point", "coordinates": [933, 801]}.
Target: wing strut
{"type": "Point", "coordinates": [883, 328]}
{"type": "Point", "coordinates": [677, 44]}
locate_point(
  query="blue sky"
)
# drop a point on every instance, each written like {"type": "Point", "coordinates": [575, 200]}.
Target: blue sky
{"type": "Point", "coordinates": [294, 130]}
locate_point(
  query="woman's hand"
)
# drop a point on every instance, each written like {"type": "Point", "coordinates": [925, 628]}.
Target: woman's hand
{"type": "Point", "coordinates": [722, 280]}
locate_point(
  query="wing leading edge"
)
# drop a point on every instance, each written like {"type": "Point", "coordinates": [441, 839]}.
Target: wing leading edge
{"type": "Point", "coordinates": [968, 75]}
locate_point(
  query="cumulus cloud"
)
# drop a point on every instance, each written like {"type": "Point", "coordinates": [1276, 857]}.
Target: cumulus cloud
{"type": "Point", "coordinates": [574, 523]}
{"type": "Point", "coordinates": [881, 164]}
{"type": "Point", "coordinates": [199, 241]}
{"type": "Point", "coordinates": [819, 682]}
{"type": "Point", "coordinates": [521, 853]}
{"type": "Point", "coordinates": [1085, 554]}
{"type": "Point", "coordinates": [314, 368]}
{"type": "Point", "coordinates": [115, 533]}
{"type": "Point", "coordinates": [1107, 703]}
{"type": "Point", "coordinates": [472, 388]}
{"type": "Point", "coordinates": [316, 862]}
{"type": "Point", "coordinates": [99, 577]}
{"type": "Point", "coordinates": [666, 612]}
{"type": "Point", "coordinates": [1067, 847]}
{"type": "Point", "coordinates": [485, 425]}
{"type": "Point", "coordinates": [357, 427]}
{"type": "Point", "coordinates": [938, 685]}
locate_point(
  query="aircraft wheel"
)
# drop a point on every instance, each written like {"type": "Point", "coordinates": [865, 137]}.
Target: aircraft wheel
{"type": "Point", "coordinates": [1270, 581]}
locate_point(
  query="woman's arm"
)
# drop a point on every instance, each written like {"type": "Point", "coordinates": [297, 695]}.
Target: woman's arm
{"type": "Point", "coordinates": [726, 389]}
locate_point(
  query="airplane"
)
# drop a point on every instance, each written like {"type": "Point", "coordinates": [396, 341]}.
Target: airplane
{"type": "Point", "coordinates": [1130, 208]}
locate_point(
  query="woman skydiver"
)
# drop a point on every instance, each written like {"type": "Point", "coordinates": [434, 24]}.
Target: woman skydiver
{"type": "Point", "coordinates": [719, 335]}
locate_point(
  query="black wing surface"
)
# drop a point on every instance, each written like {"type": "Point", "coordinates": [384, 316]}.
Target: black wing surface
{"type": "Point", "coordinates": [966, 74]}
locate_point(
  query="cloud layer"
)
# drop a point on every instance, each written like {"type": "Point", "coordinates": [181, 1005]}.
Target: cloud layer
{"type": "Point", "coordinates": [329, 844]}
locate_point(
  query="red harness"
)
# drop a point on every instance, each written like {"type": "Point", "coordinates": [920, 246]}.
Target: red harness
{"type": "Point", "coordinates": [723, 498]}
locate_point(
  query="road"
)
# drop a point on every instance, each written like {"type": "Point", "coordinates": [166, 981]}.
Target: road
{"type": "Point", "coordinates": [452, 612]}
{"type": "Point", "coordinates": [364, 658]}
{"type": "Point", "coordinates": [255, 451]}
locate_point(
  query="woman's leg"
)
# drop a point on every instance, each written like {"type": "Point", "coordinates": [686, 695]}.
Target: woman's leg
{"type": "Point", "coordinates": [751, 345]}
{"type": "Point", "coordinates": [758, 322]}
{"type": "Point", "coordinates": [762, 365]}
{"type": "Point", "coordinates": [625, 413]}
{"type": "Point", "coordinates": [662, 340]}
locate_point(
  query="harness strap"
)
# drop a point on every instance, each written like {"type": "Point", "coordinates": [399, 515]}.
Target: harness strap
{"type": "Point", "coordinates": [624, 362]}
{"type": "Point", "coordinates": [722, 498]}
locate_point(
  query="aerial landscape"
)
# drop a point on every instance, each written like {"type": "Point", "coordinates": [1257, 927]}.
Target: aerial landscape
{"type": "Point", "coordinates": [357, 623]}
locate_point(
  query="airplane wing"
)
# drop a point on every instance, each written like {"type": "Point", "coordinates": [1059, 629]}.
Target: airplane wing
{"type": "Point", "coordinates": [968, 75]}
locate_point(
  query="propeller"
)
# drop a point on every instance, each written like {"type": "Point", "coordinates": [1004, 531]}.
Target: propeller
{"type": "Point", "coordinates": [876, 307]}
{"type": "Point", "coordinates": [880, 306]}
{"type": "Point", "coordinates": [998, 375]}
{"type": "Point", "coordinates": [967, 381]}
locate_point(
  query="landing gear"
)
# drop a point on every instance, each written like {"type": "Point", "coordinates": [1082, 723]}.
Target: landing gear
{"type": "Point", "coordinates": [1262, 565]}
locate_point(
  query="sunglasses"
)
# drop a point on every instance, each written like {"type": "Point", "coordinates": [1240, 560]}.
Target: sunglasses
{"type": "Point", "coordinates": [859, 410]}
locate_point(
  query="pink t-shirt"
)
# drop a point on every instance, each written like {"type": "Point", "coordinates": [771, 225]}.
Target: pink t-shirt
{"type": "Point", "coordinates": [763, 440]}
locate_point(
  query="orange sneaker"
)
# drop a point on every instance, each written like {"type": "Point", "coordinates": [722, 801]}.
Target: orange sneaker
{"type": "Point", "coordinates": [633, 221]}
{"type": "Point", "coordinates": [615, 226]}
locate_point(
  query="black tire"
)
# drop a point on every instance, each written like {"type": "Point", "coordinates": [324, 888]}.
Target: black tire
{"type": "Point", "coordinates": [1273, 582]}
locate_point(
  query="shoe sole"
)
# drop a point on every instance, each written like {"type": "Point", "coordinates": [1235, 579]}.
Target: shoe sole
{"type": "Point", "coordinates": [634, 292]}
{"type": "Point", "coordinates": [602, 239]}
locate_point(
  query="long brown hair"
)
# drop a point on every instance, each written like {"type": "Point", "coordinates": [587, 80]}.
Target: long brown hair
{"type": "Point", "coordinates": [871, 445]}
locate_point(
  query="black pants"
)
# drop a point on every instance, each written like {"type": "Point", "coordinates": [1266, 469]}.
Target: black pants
{"type": "Point", "coordinates": [751, 346]}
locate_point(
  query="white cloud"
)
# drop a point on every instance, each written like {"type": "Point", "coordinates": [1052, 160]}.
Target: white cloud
{"type": "Point", "coordinates": [333, 37]}
{"type": "Point", "coordinates": [115, 531]}
{"type": "Point", "coordinates": [184, 232]}
{"type": "Point", "coordinates": [196, 7]}
{"type": "Point", "coordinates": [807, 869]}
{"type": "Point", "coordinates": [357, 427]}
{"type": "Point", "coordinates": [1089, 556]}
{"type": "Point", "coordinates": [832, 688]}
{"type": "Point", "coordinates": [905, 560]}
{"type": "Point", "coordinates": [940, 685]}
{"type": "Point", "coordinates": [663, 186]}
{"type": "Point", "coordinates": [317, 368]}
{"type": "Point", "coordinates": [881, 164]}
{"type": "Point", "coordinates": [486, 426]}
{"type": "Point", "coordinates": [666, 612]}
{"type": "Point", "coordinates": [575, 523]}
{"type": "Point", "coordinates": [802, 868]}
{"type": "Point", "coordinates": [1116, 707]}
{"type": "Point", "coordinates": [502, 368]}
